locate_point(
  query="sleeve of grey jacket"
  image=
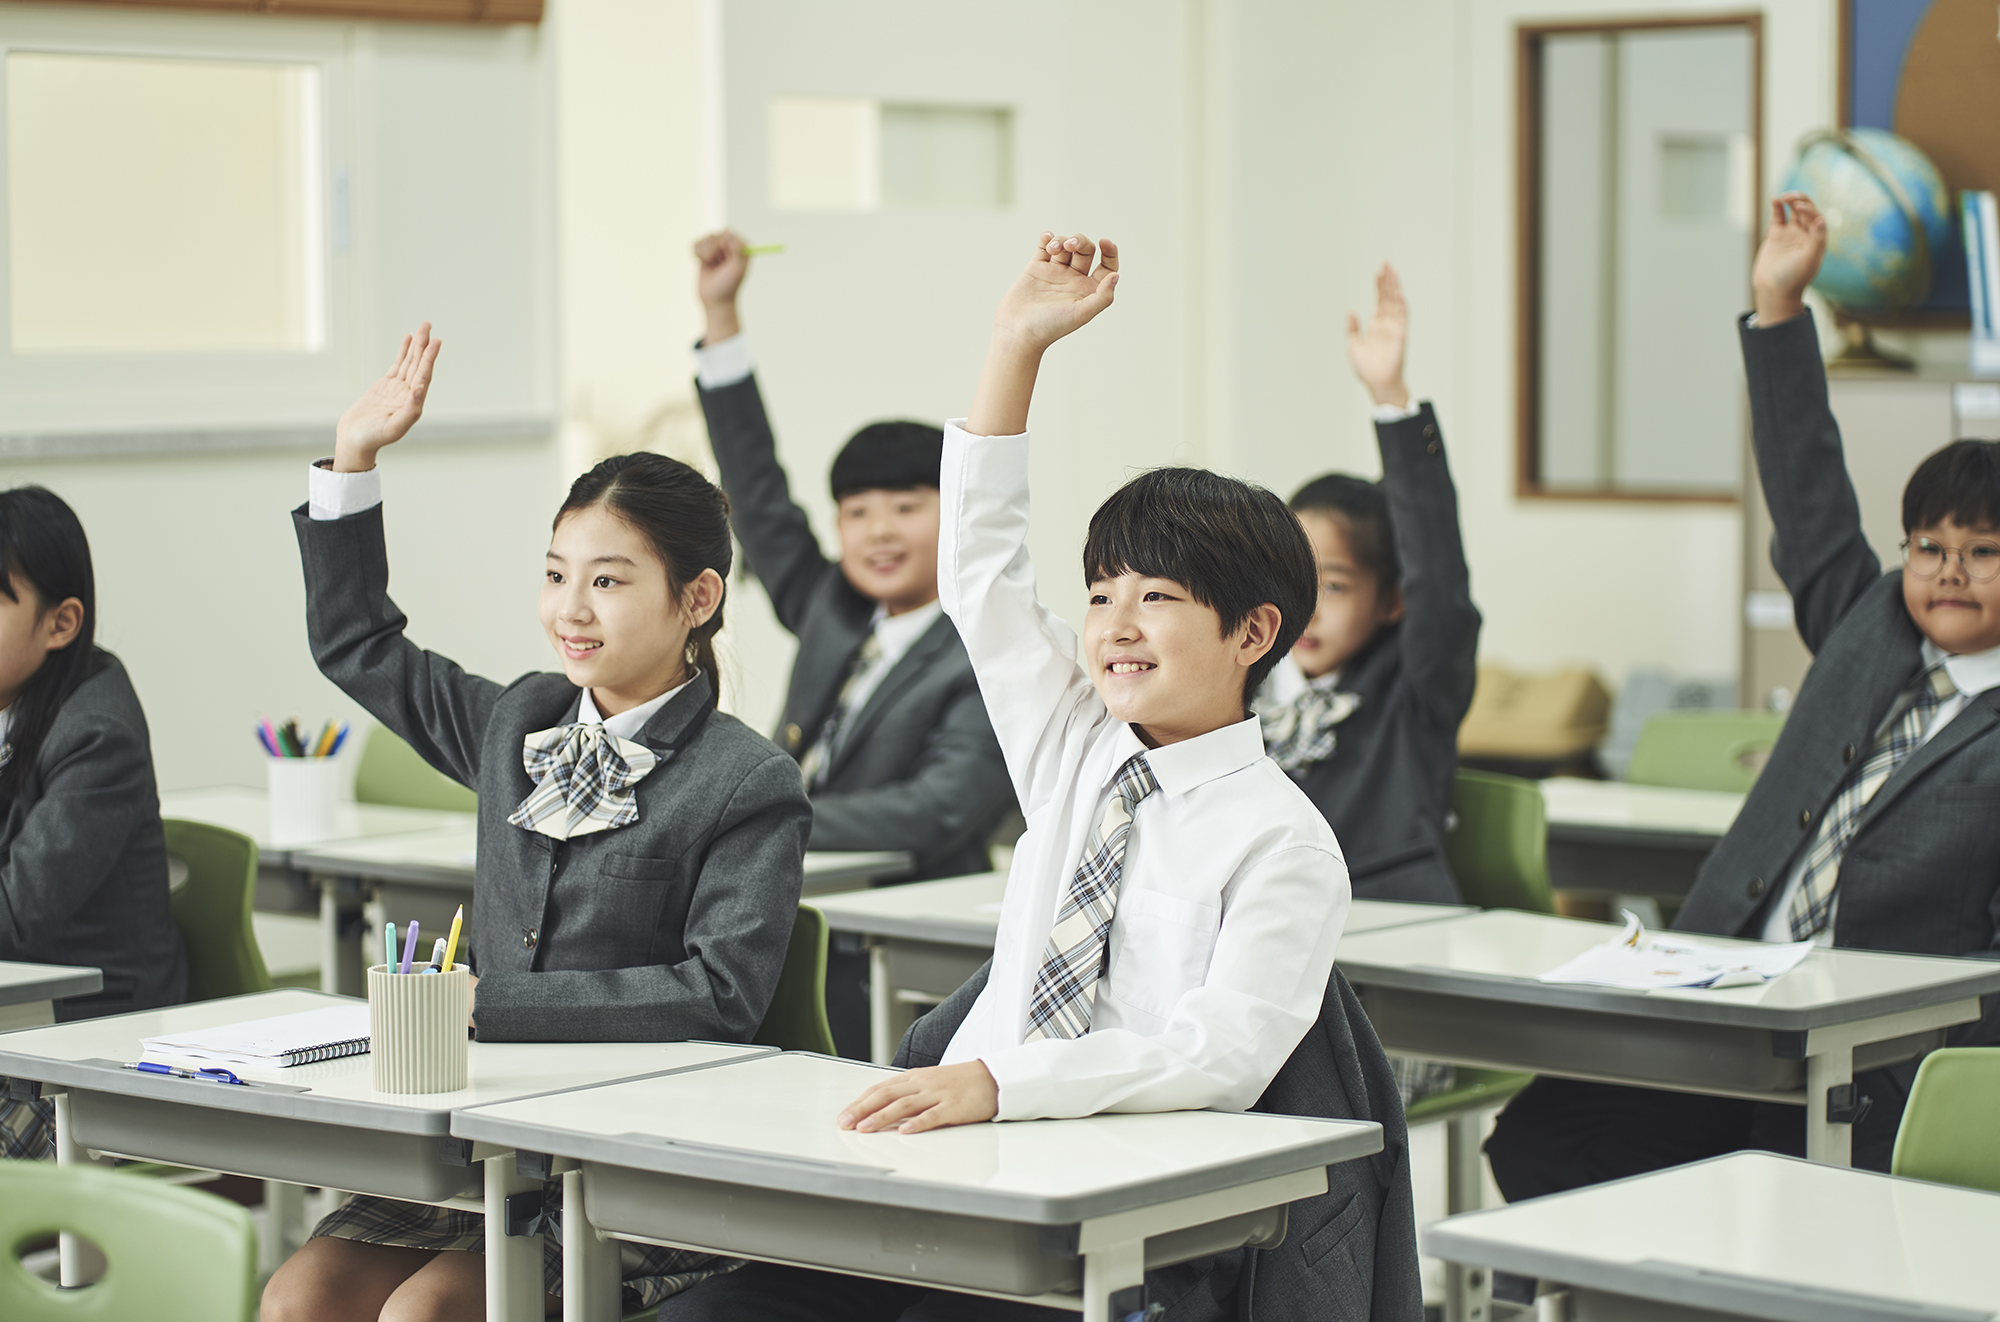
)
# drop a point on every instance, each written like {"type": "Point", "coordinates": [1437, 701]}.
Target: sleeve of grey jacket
{"type": "Point", "coordinates": [97, 782]}
{"type": "Point", "coordinates": [1440, 641]}
{"type": "Point", "coordinates": [960, 778]}
{"type": "Point", "coordinates": [739, 925]}
{"type": "Point", "coordinates": [1817, 545]}
{"type": "Point", "coordinates": [357, 639]}
{"type": "Point", "coordinates": [773, 529]}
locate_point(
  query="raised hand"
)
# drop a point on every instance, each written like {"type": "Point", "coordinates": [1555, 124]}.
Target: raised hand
{"type": "Point", "coordinates": [723, 265]}
{"type": "Point", "coordinates": [1788, 259]}
{"type": "Point", "coordinates": [385, 414]}
{"type": "Point", "coordinates": [1058, 292]}
{"type": "Point", "coordinates": [1377, 353]}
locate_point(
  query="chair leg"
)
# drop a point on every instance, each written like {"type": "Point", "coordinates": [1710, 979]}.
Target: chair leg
{"type": "Point", "coordinates": [284, 1226]}
{"type": "Point", "coordinates": [82, 1262]}
{"type": "Point", "coordinates": [1468, 1291]}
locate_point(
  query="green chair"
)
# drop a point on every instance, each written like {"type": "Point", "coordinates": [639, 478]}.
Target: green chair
{"type": "Point", "coordinates": [1704, 750]}
{"type": "Point", "coordinates": [392, 773]}
{"type": "Point", "coordinates": [172, 1254]}
{"type": "Point", "coordinates": [1498, 843]}
{"type": "Point", "coordinates": [1949, 1134]}
{"type": "Point", "coordinates": [796, 1020]}
{"type": "Point", "coordinates": [212, 909]}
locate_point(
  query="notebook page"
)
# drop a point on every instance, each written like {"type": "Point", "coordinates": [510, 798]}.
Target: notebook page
{"type": "Point", "coordinates": [269, 1042]}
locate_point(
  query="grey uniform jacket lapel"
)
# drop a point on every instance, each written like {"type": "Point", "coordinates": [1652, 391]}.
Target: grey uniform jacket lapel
{"type": "Point", "coordinates": [905, 672]}
{"type": "Point", "coordinates": [1977, 718]}
{"type": "Point", "coordinates": [818, 674]}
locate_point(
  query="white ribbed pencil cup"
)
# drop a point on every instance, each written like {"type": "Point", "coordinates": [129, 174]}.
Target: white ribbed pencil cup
{"type": "Point", "coordinates": [305, 799]}
{"type": "Point", "coordinates": [417, 1022]}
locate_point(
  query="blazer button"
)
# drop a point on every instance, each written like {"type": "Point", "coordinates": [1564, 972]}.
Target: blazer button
{"type": "Point", "coordinates": [1430, 431]}
{"type": "Point", "coordinates": [793, 734]}
{"type": "Point", "coordinates": [1805, 819]}
{"type": "Point", "coordinates": [1432, 448]}
{"type": "Point", "coordinates": [529, 936]}
{"type": "Point", "coordinates": [1755, 888]}
{"type": "Point", "coordinates": [1847, 755]}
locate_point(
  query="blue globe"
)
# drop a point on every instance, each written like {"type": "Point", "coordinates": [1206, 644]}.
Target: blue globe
{"type": "Point", "coordinates": [1888, 216]}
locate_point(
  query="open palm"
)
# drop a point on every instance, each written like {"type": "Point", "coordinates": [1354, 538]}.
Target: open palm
{"type": "Point", "coordinates": [1058, 291]}
{"type": "Point", "coordinates": [1377, 352]}
{"type": "Point", "coordinates": [391, 406]}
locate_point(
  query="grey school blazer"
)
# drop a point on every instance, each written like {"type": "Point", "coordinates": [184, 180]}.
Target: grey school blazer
{"type": "Point", "coordinates": [1349, 1255]}
{"type": "Point", "coordinates": [919, 767]}
{"type": "Point", "coordinates": [672, 928]}
{"type": "Point", "coordinates": [1922, 874]}
{"type": "Point", "coordinates": [84, 877]}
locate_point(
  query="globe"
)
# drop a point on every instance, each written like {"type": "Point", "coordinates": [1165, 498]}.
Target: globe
{"type": "Point", "coordinates": [1888, 214]}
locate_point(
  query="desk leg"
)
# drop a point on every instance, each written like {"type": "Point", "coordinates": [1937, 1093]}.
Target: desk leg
{"type": "Point", "coordinates": [881, 1005]}
{"type": "Point", "coordinates": [81, 1262]}
{"type": "Point", "coordinates": [1107, 1271]}
{"type": "Point", "coordinates": [513, 1262]}
{"type": "Point", "coordinates": [329, 934]}
{"type": "Point", "coordinates": [1468, 1291]}
{"type": "Point", "coordinates": [1827, 1142]}
{"type": "Point", "coordinates": [284, 1224]}
{"type": "Point", "coordinates": [591, 1291]}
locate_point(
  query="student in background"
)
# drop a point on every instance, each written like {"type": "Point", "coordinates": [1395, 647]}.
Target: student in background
{"type": "Point", "coordinates": [1170, 923]}
{"type": "Point", "coordinates": [1876, 823]}
{"type": "Point", "coordinates": [83, 862]}
{"type": "Point", "coordinates": [1364, 710]}
{"type": "Point", "coordinates": [640, 853]}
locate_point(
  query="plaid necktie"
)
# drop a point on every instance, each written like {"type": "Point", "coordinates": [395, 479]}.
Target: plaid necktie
{"type": "Point", "coordinates": [1299, 733]}
{"type": "Point", "coordinates": [1073, 961]}
{"type": "Point", "coordinates": [583, 778]}
{"type": "Point", "coordinates": [1812, 903]}
{"type": "Point", "coordinates": [818, 759]}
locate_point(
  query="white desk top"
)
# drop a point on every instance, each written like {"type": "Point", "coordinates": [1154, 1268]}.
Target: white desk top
{"type": "Point", "coordinates": [22, 983]}
{"type": "Point", "coordinates": [965, 911]}
{"type": "Point", "coordinates": [87, 1054]}
{"type": "Point", "coordinates": [1499, 954]}
{"type": "Point", "coordinates": [444, 858]}
{"type": "Point", "coordinates": [248, 810]}
{"type": "Point", "coordinates": [1613, 806]}
{"type": "Point", "coordinates": [1753, 1234]}
{"type": "Point", "coordinates": [769, 1122]}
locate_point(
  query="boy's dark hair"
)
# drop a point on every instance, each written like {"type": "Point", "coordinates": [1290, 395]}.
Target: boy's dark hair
{"type": "Point", "coordinates": [1960, 482]}
{"type": "Point", "coordinates": [888, 456]}
{"type": "Point", "coordinates": [1360, 507]}
{"type": "Point", "coordinates": [683, 514]}
{"type": "Point", "coordinates": [1232, 545]}
{"type": "Point", "coordinates": [43, 547]}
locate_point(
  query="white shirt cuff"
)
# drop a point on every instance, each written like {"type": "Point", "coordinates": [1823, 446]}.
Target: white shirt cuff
{"type": "Point", "coordinates": [331, 495]}
{"type": "Point", "coordinates": [723, 363]}
{"type": "Point", "coordinates": [1390, 413]}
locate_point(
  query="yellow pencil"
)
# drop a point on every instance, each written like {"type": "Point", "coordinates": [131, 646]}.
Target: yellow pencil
{"type": "Point", "coordinates": [324, 744]}
{"type": "Point", "coordinates": [451, 946]}
{"type": "Point", "coordinates": [763, 249]}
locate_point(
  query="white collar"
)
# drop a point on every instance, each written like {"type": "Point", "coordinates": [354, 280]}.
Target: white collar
{"type": "Point", "coordinates": [898, 633]}
{"type": "Point", "coordinates": [627, 724]}
{"type": "Point", "coordinates": [1287, 680]}
{"type": "Point", "coordinates": [1192, 763]}
{"type": "Point", "coordinates": [1972, 672]}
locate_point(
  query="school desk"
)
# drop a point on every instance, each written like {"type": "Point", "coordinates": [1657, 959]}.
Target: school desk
{"type": "Point", "coordinates": [28, 992]}
{"type": "Point", "coordinates": [1749, 1235]}
{"type": "Point", "coordinates": [925, 939]}
{"type": "Point", "coordinates": [322, 1125]}
{"type": "Point", "coordinates": [744, 1159]}
{"type": "Point", "coordinates": [1611, 837]}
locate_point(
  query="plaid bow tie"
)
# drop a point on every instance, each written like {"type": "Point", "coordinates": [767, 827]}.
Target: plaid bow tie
{"type": "Point", "coordinates": [583, 778]}
{"type": "Point", "coordinates": [1299, 733]}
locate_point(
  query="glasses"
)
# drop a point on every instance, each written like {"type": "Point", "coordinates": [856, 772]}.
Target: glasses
{"type": "Point", "coordinates": [1925, 558]}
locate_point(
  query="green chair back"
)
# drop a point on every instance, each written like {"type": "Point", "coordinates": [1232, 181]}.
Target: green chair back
{"type": "Point", "coordinates": [391, 773]}
{"type": "Point", "coordinates": [212, 909]}
{"type": "Point", "coordinates": [172, 1254]}
{"type": "Point", "coordinates": [1498, 847]}
{"type": "Point", "coordinates": [1704, 750]}
{"type": "Point", "coordinates": [1470, 1090]}
{"type": "Point", "coordinates": [1949, 1134]}
{"type": "Point", "coordinates": [796, 1020]}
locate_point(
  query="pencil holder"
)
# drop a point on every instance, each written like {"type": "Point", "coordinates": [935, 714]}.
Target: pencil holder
{"type": "Point", "coordinates": [417, 1022]}
{"type": "Point", "coordinates": [305, 799]}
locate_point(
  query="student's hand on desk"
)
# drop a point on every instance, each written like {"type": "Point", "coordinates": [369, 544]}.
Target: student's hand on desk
{"type": "Point", "coordinates": [391, 407]}
{"type": "Point", "coordinates": [724, 264]}
{"type": "Point", "coordinates": [1377, 353]}
{"type": "Point", "coordinates": [916, 1100]}
{"type": "Point", "coordinates": [1788, 259]}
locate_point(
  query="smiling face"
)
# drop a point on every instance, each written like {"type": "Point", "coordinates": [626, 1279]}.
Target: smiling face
{"type": "Point", "coordinates": [612, 614]}
{"type": "Point", "coordinates": [1351, 605]}
{"type": "Point", "coordinates": [1953, 608]}
{"type": "Point", "coordinates": [29, 631]}
{"type": "Point", "coordinates": [888, 545]}
{"type": "Point", "coordinates": [1161, 661]}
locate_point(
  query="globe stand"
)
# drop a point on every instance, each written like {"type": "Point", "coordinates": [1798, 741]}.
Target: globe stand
{"type": "Point", "coordinates": [1860, 355]}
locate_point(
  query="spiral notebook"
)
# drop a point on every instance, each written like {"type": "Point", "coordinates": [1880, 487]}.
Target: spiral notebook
{"type": "Point", "coordinates": [275, 1043]}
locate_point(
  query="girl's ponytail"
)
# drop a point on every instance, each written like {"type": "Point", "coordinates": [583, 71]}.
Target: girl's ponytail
{"type": "Point", "coordinates": [43, 547]}
{"type": "Point", "coordinates": [683, 514]}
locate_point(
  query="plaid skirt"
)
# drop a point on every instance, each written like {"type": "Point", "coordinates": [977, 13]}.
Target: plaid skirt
{"type": "Point", "coordinates": [27, 1129]}
{"type": "Point", "coordinates": [648, 1272]}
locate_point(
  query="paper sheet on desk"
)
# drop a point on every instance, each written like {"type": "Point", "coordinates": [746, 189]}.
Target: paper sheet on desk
{"type": "Point", "coordinates": [1637, 961]}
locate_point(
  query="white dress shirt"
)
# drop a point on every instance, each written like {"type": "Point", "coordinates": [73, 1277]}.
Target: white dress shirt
{"type": "Point", "coordinates": [628, 723]}
{"type": "Point", "coordinates": [1234, 892]}
{"type": "Point", "coordinates": [895, 635]}
{"type": "Point", "coordinates": [723, 363]}
{"type": "Point", "coordinates": [1972, 673]}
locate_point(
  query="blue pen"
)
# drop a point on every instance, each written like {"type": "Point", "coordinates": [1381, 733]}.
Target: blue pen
{"type": "Point", "coordinates": [388, 947]}
{"type": "Point", "coordinates": [338, 740]}
{"type": "Point", "coordinates": [410, 946]}
{"type": "Point", "coordinates": [212, 1075]}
